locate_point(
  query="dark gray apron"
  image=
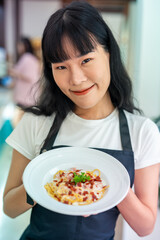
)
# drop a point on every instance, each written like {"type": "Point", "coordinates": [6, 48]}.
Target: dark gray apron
{"type": "Point", "coordinates": [48, 225]}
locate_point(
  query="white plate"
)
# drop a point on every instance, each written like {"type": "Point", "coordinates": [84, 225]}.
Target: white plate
{"type": "Point", "coordinates": [41, 170]}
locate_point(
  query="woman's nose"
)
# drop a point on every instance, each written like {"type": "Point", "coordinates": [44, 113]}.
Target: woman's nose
{"type": "Point", "coordinates": [77, 76]}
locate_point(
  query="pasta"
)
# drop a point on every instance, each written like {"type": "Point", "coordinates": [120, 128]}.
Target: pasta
{"type": "Point", "coordinates": [76, 187]}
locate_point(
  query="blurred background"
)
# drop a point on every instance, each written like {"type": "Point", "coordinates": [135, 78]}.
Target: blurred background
{"type": "Point", "coordinates": [136, 27]}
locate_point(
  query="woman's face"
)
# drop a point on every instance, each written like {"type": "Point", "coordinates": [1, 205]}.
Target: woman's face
{"type": "Point", "coordinates": [20, 48]}
{"type": "Point", "coordinates": [85, 79]}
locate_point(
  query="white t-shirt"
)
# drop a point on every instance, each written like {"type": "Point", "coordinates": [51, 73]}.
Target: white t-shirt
{"type": "Point", "coordinates": [29, 135]}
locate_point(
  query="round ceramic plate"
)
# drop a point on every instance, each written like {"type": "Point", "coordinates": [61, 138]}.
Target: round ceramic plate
{"type": "Point", "coordinates": [41, 170]}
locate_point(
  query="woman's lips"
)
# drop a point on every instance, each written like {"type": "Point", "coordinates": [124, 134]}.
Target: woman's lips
{"type": "Point", "coordinates": [83, 92]}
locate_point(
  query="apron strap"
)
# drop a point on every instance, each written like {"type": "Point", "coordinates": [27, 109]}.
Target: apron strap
{"type": "Point", "coordinates": [49, 144]}
{"type": "Point", "coordinates": [124, 131]}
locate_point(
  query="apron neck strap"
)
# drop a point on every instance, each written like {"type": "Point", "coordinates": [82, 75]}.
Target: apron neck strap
{"type": "Point", "coordinates": [124, 131]}
{"type": "Point", "coordinates": [49, 144]}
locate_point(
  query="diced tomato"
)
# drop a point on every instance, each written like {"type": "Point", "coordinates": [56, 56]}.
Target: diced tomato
{"type": "Point", "coordinates": [62, 174]}
{"type": "Point", "coordinates": [72, 188]}
{"type": "Point", "coordinates": [79, 184]}
{"type": "Point", "coordinates": [98, 179]}
{"type": "Point", "coordinates": [85, 198]}
{"type": "Point", "coordinates": [85, 192]}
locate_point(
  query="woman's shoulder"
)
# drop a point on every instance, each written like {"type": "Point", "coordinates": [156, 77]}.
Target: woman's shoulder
{"type": "Point", "coordinates": [29, 58]}
{"type": "Point", "coordinates": [139, 122]}
{"type": "Point", "coordinates": [37, 119]}
{"type": "Point", "coordinates": [29, 134]}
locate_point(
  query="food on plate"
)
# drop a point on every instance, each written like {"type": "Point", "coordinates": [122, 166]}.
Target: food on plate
{"type": "Point", "coordinates": [76, 187]}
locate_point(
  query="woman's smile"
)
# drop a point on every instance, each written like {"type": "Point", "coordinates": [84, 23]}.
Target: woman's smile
{"type": "Point", "coordinates": [83, 91]}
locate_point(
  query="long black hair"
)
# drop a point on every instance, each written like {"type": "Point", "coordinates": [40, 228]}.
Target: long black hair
{"type": "Point", "coordinates": [83, 25]}
{"type": "Point", "coordinates": [28, 48]}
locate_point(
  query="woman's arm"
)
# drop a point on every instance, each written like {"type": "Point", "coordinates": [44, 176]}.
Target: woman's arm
{"type": "Point", "coordinates": [139, 209]}
{"type": "Point", "coordinates": [14, 199]}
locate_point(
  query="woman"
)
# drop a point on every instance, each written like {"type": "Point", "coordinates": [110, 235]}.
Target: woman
{"type": "Point", "coordinates": [25, 73]}
{"type": "Point", "coordinates": [86, 101]}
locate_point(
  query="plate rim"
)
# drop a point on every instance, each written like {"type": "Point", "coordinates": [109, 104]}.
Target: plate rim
{"type": "Point", "coordinates": [72, 208]}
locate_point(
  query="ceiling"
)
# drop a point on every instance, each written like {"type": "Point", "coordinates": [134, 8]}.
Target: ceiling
{"type": "Point", "coordinates": [119, 6]}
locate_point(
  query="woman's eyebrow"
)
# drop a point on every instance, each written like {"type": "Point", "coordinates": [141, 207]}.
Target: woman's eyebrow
{"type": "Point", "coordinates": [83, 54]}
{"type": "Point", "coordinates": [78, 56]}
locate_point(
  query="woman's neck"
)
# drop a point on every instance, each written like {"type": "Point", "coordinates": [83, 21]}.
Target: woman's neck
{"type": "Point", "coordinates": [99, 111]}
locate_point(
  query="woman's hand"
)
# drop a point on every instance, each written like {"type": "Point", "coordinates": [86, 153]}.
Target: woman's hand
{"type": "Point", "coordinates": [90, 215]}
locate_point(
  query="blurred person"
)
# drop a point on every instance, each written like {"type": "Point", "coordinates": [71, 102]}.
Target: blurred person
{"type": "Point", "coordinates": [25, 74]}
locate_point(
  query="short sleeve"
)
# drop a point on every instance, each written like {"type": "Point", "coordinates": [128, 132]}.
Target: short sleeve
{"type": "Point", "coordinates": [148, 145]}
{"type": "Point", "coordinates": [22, 138]}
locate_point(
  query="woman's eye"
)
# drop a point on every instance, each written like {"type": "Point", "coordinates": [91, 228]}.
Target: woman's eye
{"type": "Point", "coordinates": [61, 67]}
{"type": "Point", "coordinates": [86, 60]}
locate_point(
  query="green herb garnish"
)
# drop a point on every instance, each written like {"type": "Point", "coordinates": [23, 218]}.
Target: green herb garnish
{"type": "Point", "coordinates": [80, 178]}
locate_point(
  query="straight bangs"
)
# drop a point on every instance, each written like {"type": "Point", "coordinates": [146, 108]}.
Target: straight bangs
{"type": "Point", "coordinates": [53, 43]}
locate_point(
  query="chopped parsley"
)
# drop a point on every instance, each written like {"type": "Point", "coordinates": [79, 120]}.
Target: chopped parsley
{"type": "Point", "coordinates": [80, 178]}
